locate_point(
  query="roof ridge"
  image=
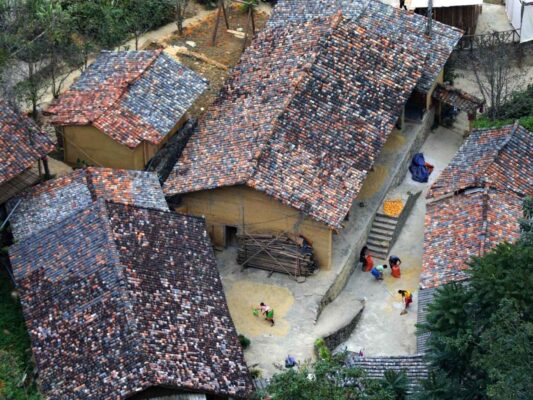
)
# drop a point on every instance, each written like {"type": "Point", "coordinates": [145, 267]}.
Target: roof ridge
{"type": "Point", "coordinates": [305, 73]}
{"type": "Point", "coordinates": [124, 88]}
{"type": "Point", "coordinates": [482, 176]}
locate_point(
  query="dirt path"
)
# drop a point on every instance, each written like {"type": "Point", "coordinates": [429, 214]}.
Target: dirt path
{"type": "Point", "coordinates": [162, 35]}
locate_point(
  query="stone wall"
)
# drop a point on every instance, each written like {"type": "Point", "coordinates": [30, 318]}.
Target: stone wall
{"type": "Point", "coordinates": [340, 336]}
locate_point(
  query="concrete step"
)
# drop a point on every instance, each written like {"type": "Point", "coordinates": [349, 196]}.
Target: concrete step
{"type": "Point", "coordinates": [379, 236]}
{"type": "Point", "coordinates": [382, 244]}
{"type": "Point", "coordinates": [384, 226]}
{"type": "Point", "coordinates": [380, 231]}
{"type": "Point", "coordinates": [379, 215]}
{"type": "Point", "coordinates": [385, 220]}
{"type": "Point", "coordinates": [378, 252]}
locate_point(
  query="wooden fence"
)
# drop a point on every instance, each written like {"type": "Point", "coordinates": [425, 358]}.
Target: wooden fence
{"type": "Point", "coordinates": [471, 42]}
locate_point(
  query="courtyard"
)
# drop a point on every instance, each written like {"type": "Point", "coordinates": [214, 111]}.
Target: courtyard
{"type": "Point", "coordinates": [381, 330]}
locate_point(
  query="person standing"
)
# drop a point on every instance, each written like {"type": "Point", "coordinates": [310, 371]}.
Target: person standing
{"type": "Point", "coordinates": [366, 258]}
{"type": "Point", "coordinates": [407, 298]}
{"type": "Point", "coordinates": [394, 263]}
{"type": "Point", "coordinates": [402, 5]}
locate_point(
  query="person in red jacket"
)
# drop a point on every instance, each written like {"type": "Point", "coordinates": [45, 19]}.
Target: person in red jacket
{"type": "Point", "coordinates": [366, 258]}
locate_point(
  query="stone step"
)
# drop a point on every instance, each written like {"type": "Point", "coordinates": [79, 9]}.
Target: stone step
{"type": "Point", "coordinates": [384, 226]}
{"type": "Point", "coordinates": [380, 231]}
{"type": "Point", "coordinates": [378, 252]}
{"type": "Point", "coordinates": [384, 244]}
{"type": "Point", "coordinates": [380, 236]}
{"type": "Point", "coordinates": [386, 220]}
{"type": "Point", "coordinates": [386, 216]}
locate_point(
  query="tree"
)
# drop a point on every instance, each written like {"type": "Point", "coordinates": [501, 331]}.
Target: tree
{"type": "Point", "coordinates": [495, 69]}
{"type": "Point", "coordinates": [143, 15]}
{"type": "Point", "coordinates": [62, 51]}
{"type": "Point", "coordinates": [331, 379]}
{"type": "Point", "coordinates": [179, 11]}
{"type": "Point", "coordinates": [481, 332]}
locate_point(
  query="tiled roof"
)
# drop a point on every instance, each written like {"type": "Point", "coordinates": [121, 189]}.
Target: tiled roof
{"type": "Point", "coordinates": [303, 116]}
{"type": "Point", "coordinates": [132, 96]}
{"type": "Point", "coordinates": [414, 366]}
{"type": "Point", "coordinates": [398, 25]}
{"type": "Point", "coordinates": [457, 98]}
{"type": "Point", "coordinates": [425, 298]}
{"type": "Point", "coordinates": [118, 299]}
{"type": "Point", "coordinates": [500, 158]}
{"type": "Point", "coordinates": [466, 225]}
{"type": "Point", "coordinates": [21, 143]}
{"type": "Point", "coordinates": [47, 204]}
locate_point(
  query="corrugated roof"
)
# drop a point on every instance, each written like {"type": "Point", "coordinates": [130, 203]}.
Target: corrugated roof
{"type": "Point", "coordinates": [118, 299]}
{"type": "Point", "coordinates": [132, 96]}
{"type": "Point", "coordinates": [303, 116]}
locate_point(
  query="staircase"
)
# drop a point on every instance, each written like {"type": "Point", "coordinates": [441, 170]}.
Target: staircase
{"type": "Point", "coordinates": [381, 235]}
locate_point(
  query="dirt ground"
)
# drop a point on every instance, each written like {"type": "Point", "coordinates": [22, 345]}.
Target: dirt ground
{"type": "Point", "coordinates": [227, 51]}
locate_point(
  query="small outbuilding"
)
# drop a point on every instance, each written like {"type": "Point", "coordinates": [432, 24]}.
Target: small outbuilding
{"type": "Point", "coordinates": [462, 14]}
{"type": "Point", "coordinates": [126, 302]}
{"type": "Point", "coordinates": [23, 150]}
{"type": "Point", "coordinates": [123, 108]}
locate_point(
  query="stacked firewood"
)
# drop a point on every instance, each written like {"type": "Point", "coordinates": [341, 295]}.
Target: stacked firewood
{"type": "Point", "coordinates": [288, 254]}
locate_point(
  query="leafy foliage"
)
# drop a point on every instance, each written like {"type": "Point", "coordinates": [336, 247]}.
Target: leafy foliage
{"type": "Point", "coordinates": [331, 379]}
{"type": "Point", "coordinates": [15, 353]}
{"type": "Point", "coordinates": [519, 107]}
{"type": "Point", "coordinates": [244, 341]}
{"type": "Point", "coordinates": [481, 332]}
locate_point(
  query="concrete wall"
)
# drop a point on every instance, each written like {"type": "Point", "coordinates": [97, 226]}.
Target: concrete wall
{"type": "Point", "coordinates": [89, 144]}
{"type": "Point", "coordinates": [238, 205]}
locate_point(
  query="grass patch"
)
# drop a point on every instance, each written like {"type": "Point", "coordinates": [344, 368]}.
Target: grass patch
{"type": "Point", "coordinates": [15, 353]}
{"type": "Point", "coordinates": [484, 122]}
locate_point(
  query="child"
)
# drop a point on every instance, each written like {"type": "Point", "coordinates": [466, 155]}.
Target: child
{"type": "Point", "coordinates": [267, 312]}
{"type": "Point", "coordinates": [407, 299]}
{"type": "Point", "coordinates": [377, 272]}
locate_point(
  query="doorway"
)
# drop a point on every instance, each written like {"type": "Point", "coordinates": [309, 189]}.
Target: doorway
{"type": "Point", "coordinates": [231, 236]}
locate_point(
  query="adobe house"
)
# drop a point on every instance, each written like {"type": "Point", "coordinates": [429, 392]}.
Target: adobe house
{"type": "Point", "coordinates": [289, 142]}
{"type": "Point", "coordinates": [123, 108]}
{"type": "Point", "coordinates": [125, 302]}
{"type": "Point", "coordinates": [23, 150]}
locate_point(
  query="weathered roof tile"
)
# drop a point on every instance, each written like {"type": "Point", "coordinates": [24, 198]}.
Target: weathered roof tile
{"type": "Point", "coordinates": [398, 25]}
{"type": "Point", "coordinates": [303, 116]}
{"type": "Point", "coordinates": [21, 143]}
{"type": "Point", "coordinates": [118, 299]}
{"type": "Point", "coordinates": [132, 96]}
{"type": "Point", "coordinates": [49, 203]}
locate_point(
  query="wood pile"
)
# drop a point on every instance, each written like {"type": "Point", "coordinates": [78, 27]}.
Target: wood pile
{"type": "Point", "coordinates": [288, 254]}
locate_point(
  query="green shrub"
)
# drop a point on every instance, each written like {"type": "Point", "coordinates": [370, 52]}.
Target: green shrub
{"type": "Point", "coordinates": [322, 350]}
{"type": "Point", "coordinates": [244, 341]}
{"type": "Point", "coordinates": [485, 122]}
{"type": "Point", "coordinates": [256, 373]}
